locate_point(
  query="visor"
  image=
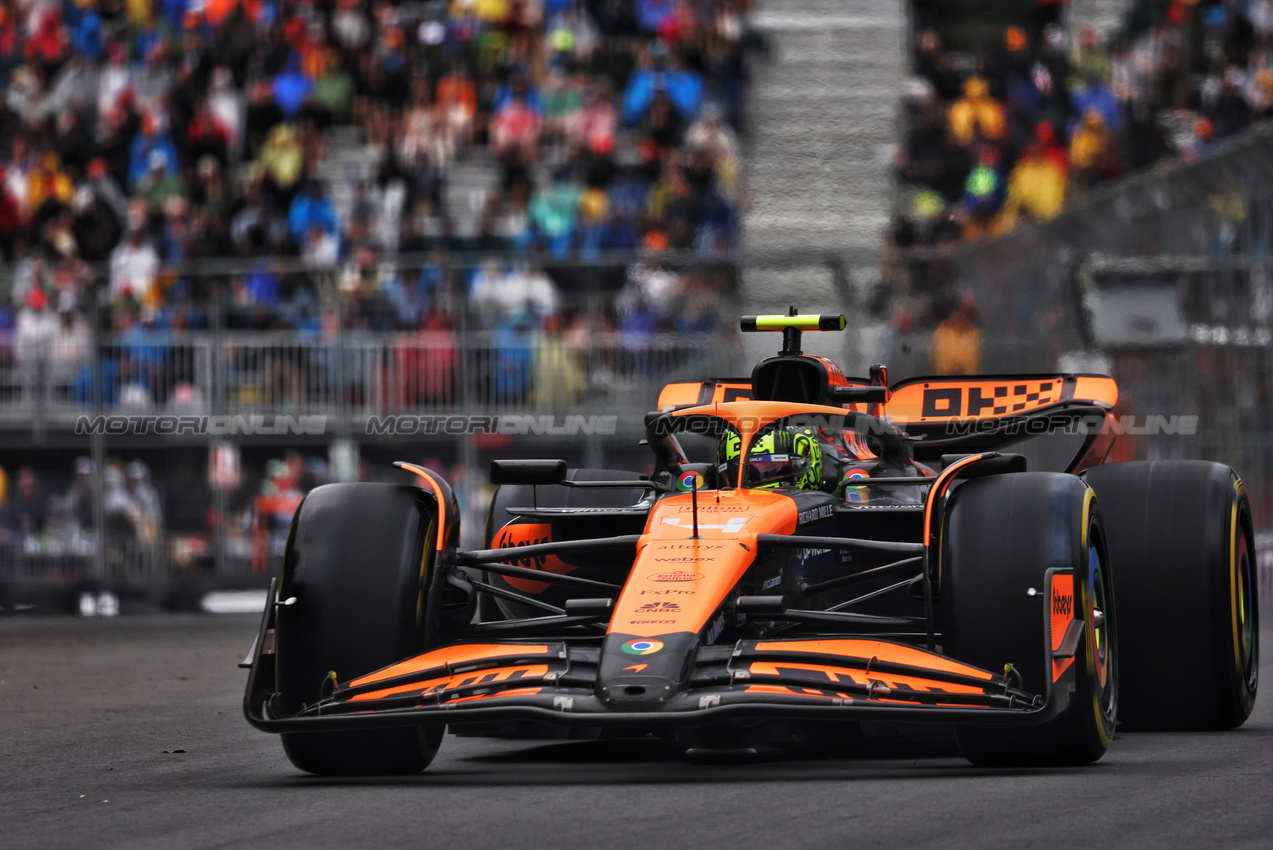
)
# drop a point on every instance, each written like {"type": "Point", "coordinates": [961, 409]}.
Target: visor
{"type": "Point", "coordinates": [767, 469]}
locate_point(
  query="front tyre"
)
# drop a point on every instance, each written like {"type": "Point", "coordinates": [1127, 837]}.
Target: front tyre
{"type": "Point", "coordinates": [1003, 533]}
{"type": "Point", "coordinates": [359, 561]}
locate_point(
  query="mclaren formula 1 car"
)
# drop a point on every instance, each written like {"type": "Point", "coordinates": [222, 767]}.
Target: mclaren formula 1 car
{"type": "Point", "coordinates": [811, 553]}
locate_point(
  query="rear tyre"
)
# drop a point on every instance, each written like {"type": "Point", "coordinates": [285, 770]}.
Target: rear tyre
{"type": "Point", "coordinates": [1003, 533]}
{"type": "Point", "coordinates": [359, 560]}
{"type": "Point", "coordinates": [1181, 540]}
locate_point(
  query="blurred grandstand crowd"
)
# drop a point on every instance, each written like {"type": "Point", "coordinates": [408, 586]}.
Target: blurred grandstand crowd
{"type": "Point", "coordinates": [314, 145]}
{"type": "Point", "coordinates": [1017, 130]}
{"type": "Point", "coordinates": [148, 135]}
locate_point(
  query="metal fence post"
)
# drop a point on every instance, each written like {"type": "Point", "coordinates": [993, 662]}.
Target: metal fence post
{"type": "Point", "coordinates": [97, 438]}
{"type": "Point", "coordinates": [217, 396]}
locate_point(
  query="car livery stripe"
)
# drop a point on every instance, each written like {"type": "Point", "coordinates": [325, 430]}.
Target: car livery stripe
{"type": "Point", "coordinates": [837, 675]}
{"type": "Point", "coordinates": [492, 677]}
{"type": "Point", "coordinates": [450, 656]}
{"type": "Point", "coordinates": [437, 493]}
{"type": "Point", "coordinates": [882, 650]}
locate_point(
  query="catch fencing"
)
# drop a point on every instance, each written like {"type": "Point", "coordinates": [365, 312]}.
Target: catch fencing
{"type": "Point", "coordinates": [1163, 280]}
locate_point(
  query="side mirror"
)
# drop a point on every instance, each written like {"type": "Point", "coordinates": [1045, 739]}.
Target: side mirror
{"type": "Point", "coordinates": [528, 471]}
{"type": "Point", "coordinates": [860, 395]}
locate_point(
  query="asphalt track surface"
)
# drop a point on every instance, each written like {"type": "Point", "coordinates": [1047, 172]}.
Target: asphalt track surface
{"type": "Point", "coordinates": [129, 733]}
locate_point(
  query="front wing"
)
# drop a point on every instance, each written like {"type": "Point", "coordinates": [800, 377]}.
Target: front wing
{"type": "Point", "coordinates": [555, 682]}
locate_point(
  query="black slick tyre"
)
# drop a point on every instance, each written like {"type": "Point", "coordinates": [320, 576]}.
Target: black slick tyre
{"type": "Point", "coordinates": [359, 560]}
{"type": "Point", "coordinates": [1002, 535]}
{"type": "Point", "coordinates": [1181, 541]}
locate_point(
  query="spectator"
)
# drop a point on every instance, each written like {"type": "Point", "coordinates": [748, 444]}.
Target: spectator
{"type": "Point", "coordinates": [208, 134]}
{"type": "Point", "coordinates": [291, 88]}
{"type": "Point", "coordinates": [144, 509]}
{"type": "Point", "coordinates": [934, 65]}
{"type": "Point", "coordinates": [10, 215]}
{"type": "Point", "coordinates": [71, 343]}
{"type": "Point", "coordinates": [1037, 183]}
{"type": "Point", "coordinates": [74, 90]}
{"type": "Point", "coordinates": [1093, 154]}
{"type": "Point", "coordinates": [104, 189]}
{"type": "Point", "coordinates": [594, 125]}
{"type": "Point", "coordinates": [280, 162]}
{"type": "Point", "coordinates": [425, 364]}
{"type": "Point", "coordinates": [424, 138]}
{"type": "Point", "coordinates": [559, 379]}
{"type": "Point", "coordinates": [955, 348]}
{"type": "Point", "coordinates": [712, 136]}
{"type": "Point", "coordinates": [1170, 86]}
{"type": "Point", "coordinates": [1230, 112]}
{"type": "Point", "coordinates": [226, 108]}
{"type": "Point", "coordinates": [554, 209]}
{"type": "Point", "coordinates": [158, 184]}
{"type": "Point", "coordinates": [48, 186]}
{"type": "Point", "coordinates": [79, 498]}
{"type": "Point", "coordinates": [512, 358]}
{"type": "Point", "coordinates": [63, 534]}
{"type": "Point", "coordinates": [150, 149]}
{"type": "Point", "coordinates": [28, 506]}
{"type": "Point", "coordinates": [456, 103]}
{"type": "Point", "coordinates": [35, 330]}
{"type": "Point", "coordinates": [1094, 95]}
{"type": "Point", "coordinates": [496, 296]}
{"type": "Point", "coordinates": [118, 508]}
{"type": "Point", "coordinates": [311, 209]}
{"type": "Point", "coordinates": [984, 190]}
{"type": "Point", "coordinates": [976, 115]}
{"type": "Point", "coordinates": [1089, 60]}
{"type": "Point", "coordinates": [515, 131]}
{"type": "Point", "coordinates": [134, 265]}
{"type": "Point", "coordinates": [1201, 141]}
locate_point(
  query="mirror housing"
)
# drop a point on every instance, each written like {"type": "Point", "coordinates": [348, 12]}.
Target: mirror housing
{"type": "Point", "coordinates": [528, 471]}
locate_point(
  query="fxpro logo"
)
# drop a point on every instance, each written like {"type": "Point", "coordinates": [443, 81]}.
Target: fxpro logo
{"type": "Point", "coordinates": [511, 424]}
{"type": "Point", "coordinates": [248, 425]}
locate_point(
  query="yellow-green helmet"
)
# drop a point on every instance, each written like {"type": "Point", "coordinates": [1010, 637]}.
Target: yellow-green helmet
{"type": "Point", "coordinates": [776, 458]}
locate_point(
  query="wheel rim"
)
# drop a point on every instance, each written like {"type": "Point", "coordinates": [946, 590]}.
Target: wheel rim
{"type": "Point", "coordinates": [1246, 613]}
{"type": "Point", "coordinates": [1101, 634]}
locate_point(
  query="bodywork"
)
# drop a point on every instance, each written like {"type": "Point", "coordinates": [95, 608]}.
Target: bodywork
{"type": "Point", "coordinates": [732, 604]}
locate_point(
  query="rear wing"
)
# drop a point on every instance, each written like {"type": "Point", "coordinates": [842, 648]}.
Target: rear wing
{"type": "Point", "coordinates": [962, 414]}
{"type": "Point", "coordinates": [931, 401]}
{"type": "Point", "coordinates": [973, 414]}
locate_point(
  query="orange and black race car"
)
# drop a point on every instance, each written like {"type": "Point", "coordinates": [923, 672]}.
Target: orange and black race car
{"type": "Point", "coordinates": [811, 553]}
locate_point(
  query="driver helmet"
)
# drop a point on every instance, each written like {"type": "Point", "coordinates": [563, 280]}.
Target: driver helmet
{"type": "Point", "coordinates": [779, 457]}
